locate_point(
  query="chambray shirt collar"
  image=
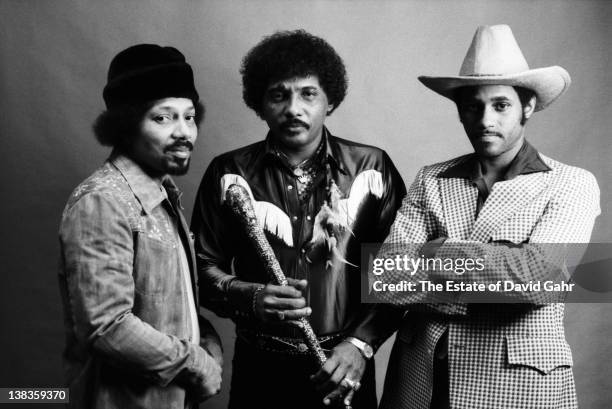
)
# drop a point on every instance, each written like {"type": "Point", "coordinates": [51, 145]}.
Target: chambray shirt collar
{"type": "Point", "coordinates": [330, 147]}
{"type": "Point", "coordinates": [526, 161]}
{"type": "Point", "coordinates": [149, 192]}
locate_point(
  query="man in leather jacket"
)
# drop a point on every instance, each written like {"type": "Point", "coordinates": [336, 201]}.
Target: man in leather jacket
{"type": "Point", "coordinates": [318, 198]}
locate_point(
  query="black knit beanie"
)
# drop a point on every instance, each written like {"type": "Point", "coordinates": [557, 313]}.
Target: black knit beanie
{"type": "Point", "coordinates": [147, 72]}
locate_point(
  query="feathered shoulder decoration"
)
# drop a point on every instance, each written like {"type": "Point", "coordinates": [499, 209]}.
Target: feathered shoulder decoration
{"type": "Point", "coordinates": [337, 215]}
{"type": "Point", "coordinates": [270, 217]}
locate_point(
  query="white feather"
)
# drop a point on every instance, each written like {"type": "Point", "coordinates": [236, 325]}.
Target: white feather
{"type": "Point", "coordinates": [231, 179]}
{"type": "Point", "coordinates": [366, 183]}
{"type": "Point", "coordinates": [270, 217]}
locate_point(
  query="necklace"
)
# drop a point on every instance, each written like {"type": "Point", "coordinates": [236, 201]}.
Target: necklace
{"type": "Point", "coordinates": [305, 173]}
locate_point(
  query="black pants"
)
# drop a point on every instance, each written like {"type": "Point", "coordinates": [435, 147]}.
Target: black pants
{"type": "Point", "coordinates": [272, 380]}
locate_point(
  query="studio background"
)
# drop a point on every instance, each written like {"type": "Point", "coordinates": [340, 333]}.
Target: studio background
{"type": "Point", "coordinates": [54, 56]}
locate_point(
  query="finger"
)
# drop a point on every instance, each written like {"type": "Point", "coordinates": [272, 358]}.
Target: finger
{"type": "Point", "coordinates": [325, 372]}
{"type": "Point", "coordinates": [295, 323]}
{"type": "Point", "coordinates": [349, 397]}
{"type": "Point", "coordinates": [297, 314]}
{"type": "Point", "coordinates": [298, 284]}
{"type": "Point", "coordinates": [284, 303]}
{"type": "Point", "coordinates": [284, 291]}
{"type": "Point", "coordinates": [355, 376]}
{"type": "Point", "coordinates": [335, 381]}
{"type": "Point", "coordinates": [275, 315]}
{"type": "Point", "coordinates": [337, 394]}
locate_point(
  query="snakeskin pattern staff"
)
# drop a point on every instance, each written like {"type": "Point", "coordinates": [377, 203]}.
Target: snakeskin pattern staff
{"type": "Point", "coordinates": [239, 201]}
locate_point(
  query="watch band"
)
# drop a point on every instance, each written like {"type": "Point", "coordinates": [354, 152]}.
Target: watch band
{"type": "Point", "coordinates": [365, 349]}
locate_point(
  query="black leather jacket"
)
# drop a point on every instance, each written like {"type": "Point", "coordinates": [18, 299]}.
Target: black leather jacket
{"type": "Point", "coordinates": [228, 266]}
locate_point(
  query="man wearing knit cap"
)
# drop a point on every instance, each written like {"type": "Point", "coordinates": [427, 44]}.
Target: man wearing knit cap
{"type": "Point", "coordinates": [504, 205]}
{"type": "Point", "coordinates": [134, 336]}
{"type": "Point", "coordinates": [318, 198]}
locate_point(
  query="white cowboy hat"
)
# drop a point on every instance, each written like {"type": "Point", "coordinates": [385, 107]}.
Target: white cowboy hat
{"type": "Point", "coordinates": [494, 58]}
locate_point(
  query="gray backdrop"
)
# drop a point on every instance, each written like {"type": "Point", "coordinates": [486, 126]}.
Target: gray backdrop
{"type": "Point", "coordinates": [54, 56]}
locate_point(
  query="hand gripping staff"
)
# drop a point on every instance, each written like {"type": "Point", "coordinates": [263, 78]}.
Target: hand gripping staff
{"type": "Point", "coordinates": [240, 203]}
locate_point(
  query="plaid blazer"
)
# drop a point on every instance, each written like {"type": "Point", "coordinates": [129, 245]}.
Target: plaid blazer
{"type": "Point", "coordinates": [500, 355]}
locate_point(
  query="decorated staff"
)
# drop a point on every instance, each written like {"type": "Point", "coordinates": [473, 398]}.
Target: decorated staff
{"type": "Point", "coordinates": [239, 201]}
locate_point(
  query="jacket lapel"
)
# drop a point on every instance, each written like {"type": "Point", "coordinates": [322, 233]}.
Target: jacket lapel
{"type": "Point", "coordinates": [174, 198]}
{"type": "Point", "coordinates": [190, 255]}
{"type": "Point", "coordinates": [505, 199]}
{"type": "Point", "coordinates": [459, 199]}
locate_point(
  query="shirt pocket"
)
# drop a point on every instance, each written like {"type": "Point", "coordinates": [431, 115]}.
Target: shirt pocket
{"type": "Point", "coordinates": [542, 354]}
{"type": "Point", "coordinates": [156, 268]}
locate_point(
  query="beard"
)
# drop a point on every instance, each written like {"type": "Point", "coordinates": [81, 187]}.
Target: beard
{"type": "Point", "coordinates": [178, 165]}
{"type": "Point", "coordinates": [177, 168]}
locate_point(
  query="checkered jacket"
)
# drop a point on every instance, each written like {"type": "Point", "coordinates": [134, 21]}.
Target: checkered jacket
{"type": "Point", "coordinates": [500, 355]}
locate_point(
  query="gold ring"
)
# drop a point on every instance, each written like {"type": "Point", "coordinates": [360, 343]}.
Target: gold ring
{"type": "Point", "coordinates": [348, 383]}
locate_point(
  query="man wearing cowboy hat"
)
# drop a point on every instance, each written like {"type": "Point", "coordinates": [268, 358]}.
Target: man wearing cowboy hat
{"type": "Point", "coordinates": [502, 204]}
{"type": "Point", "coordinates": [134, 337]}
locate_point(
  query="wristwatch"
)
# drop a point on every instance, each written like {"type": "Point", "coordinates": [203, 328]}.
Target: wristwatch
{"type": "Point", "coordinates": [365, 348]}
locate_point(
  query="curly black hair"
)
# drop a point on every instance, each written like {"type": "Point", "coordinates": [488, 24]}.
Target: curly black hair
{"type": "Point", "coordinates": [117, 127]}
{"type": "Point", "coordinates": [291, 54]}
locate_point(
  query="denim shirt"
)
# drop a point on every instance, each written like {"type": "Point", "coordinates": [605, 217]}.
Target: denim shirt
{"type": "Point", "coordinates": [127, 318]}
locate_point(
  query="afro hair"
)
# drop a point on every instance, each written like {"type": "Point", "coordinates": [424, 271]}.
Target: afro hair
{"type": "Point", "coordinates": [292, 54]}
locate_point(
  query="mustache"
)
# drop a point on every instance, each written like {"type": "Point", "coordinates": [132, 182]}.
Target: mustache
{"type": "Point", "coordinates": [478, 134]}
{"type": "Point", "coordinates": [294, 122]}
{"type": "Point", "coordinates": [180, 144]}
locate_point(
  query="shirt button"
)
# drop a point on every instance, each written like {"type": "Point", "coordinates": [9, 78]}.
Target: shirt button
{"type": "Point", "coordinates": [294, 218]}
{"type": "Point", "coordinates": [303, 250]}
{"type": "Point", "coordinates": [290, 187]}
{"type": "Point", "coordinates": [308, 217]}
